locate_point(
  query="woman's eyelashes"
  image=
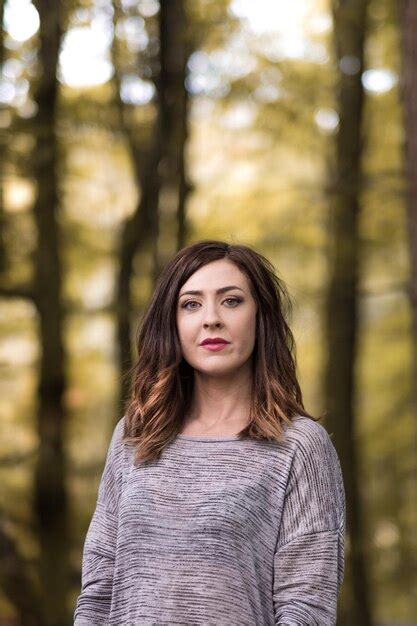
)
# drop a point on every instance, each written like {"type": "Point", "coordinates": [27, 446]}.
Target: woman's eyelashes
{"type": "Point", "coordinates": [234, 299]}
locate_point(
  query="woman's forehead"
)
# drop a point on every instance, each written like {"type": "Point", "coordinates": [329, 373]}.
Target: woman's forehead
{"type": "Point", "coordinates": [216, 275]}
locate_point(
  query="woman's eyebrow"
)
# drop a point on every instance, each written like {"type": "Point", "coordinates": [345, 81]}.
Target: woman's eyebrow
{"type": "Point", "coordinates": [196, 292]}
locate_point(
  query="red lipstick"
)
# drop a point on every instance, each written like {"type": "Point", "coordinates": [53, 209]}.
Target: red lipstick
{"type": "Point", "coordinates": [213, 340]}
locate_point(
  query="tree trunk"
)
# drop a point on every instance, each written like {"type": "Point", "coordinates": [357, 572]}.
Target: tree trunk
{"type": "Point", "coordinates": [51, 501]}
{"type": "Point", "coordinates": [173, 97]}
{"type": "Point", "coordinates": [140, 232]}
{"type": "Point", "coordinates": [341, 309]}
{"type": "Point", "coordinates": [408, 25]}
{"type": "Point", "coordinates": [2, 155]}
{"type": "Point", "coordinates": [159, 166]}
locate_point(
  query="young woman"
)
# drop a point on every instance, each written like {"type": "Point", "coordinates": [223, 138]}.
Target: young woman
{"type": "Point", "coordinates": [222, 500]}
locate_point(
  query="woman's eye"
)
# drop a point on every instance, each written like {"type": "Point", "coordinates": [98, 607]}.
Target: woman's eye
{"type": "Point", "coordinates": [185, 305]}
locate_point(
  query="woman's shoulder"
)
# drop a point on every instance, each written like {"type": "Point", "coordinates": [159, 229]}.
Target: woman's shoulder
{"type": "Point", "coordinates": [307, 432]}
{"type": "Point", "coordinates": [311, 444]}
{"type": "Point", "coordinates": [314, 452]}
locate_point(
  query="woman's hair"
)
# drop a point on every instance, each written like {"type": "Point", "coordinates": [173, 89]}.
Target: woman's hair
{"type": "Point", "coordinates": [162, 381]}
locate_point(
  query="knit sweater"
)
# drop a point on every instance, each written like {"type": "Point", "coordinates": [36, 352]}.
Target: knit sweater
{"type": "Point", "coordinates": [218, 531]}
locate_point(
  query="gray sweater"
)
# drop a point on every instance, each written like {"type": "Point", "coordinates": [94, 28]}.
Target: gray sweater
{"type": "Point", "coordinates": [218, 531]}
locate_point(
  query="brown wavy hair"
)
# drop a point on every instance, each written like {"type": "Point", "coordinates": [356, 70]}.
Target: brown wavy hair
{"type": "Point", "coordinates": [161, 384]}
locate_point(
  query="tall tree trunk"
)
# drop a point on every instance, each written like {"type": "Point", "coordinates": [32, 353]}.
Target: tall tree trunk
{"type": "Point", "coordinates": [2, 153]}
{"type": "Point", "coordinates": [341, 310]}
{"type": "Point", "coordinates": [159, 166]}
{"type": "Point", "coordinates": [51, 501]}
{"type": "Point", "coordinates": [175, 50]}
{"type": "Point", "coordinates": [408, 24]}
{"type": "Point", "coordinates": [140, 232]}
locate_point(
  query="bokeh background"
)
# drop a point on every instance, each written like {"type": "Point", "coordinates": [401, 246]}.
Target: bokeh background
{"type": "Point", "coordinates": [132, 128]}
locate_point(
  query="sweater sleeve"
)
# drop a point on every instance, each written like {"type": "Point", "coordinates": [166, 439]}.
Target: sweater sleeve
{"type": "Point", "coordinates": [309, 557]}
{"type": "Point", "coordinates": [93, 603]}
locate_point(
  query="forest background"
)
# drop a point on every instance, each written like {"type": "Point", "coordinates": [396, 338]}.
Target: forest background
{"type": "Point", "coordinates": [134, 127]}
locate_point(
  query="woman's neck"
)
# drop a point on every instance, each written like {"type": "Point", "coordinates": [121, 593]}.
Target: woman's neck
{"type": "Point", "coordinates": [217, 408]}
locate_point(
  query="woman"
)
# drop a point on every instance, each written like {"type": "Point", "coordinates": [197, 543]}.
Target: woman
{"type": "Point", "coordinates": [222, 500]}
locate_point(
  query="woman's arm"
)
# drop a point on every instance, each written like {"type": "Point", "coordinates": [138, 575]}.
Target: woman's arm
{"type": "Point", "coordinates": [93, 603]}
{"type": "Point", "coordinates": [309, 558]}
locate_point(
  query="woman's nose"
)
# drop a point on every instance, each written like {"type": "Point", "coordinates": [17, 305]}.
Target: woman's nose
{"type": "Point", "coordinates": [212, 324]}
{"type": "Point", "coordinates": [211, 319]}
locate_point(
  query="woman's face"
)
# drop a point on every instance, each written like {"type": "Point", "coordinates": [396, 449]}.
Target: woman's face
{"type": "Point", "coordinates": [229, 314]}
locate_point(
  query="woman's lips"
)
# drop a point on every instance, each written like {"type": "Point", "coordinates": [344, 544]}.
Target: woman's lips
{"type": "Point", "coordinates": [214, 347]}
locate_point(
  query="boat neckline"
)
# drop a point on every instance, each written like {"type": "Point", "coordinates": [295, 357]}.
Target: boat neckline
{"type": "Point", "coordinates": [208, 439]}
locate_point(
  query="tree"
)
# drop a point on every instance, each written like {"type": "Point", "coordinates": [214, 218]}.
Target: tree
{"type": "Point", "coordinates": [158, 163]}
{"type": "Point", "coordinates": [408, 25]}
{"type": "Point", "coordinates": [341, 311]}
{"type": "Point", "coordinates": [2, 151]}
{"type": "Point", "coordinates": [50, 498]}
